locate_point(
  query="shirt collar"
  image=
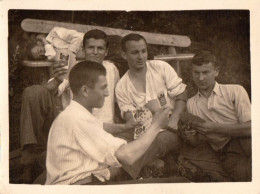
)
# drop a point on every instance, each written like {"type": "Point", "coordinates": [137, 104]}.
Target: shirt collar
{"type": "Point", "coordinates": [216, 90]}
{"type": "Point", "coordinates": [79, 106]}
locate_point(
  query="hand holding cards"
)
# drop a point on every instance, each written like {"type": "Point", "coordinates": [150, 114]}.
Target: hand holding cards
{"type": "Point", "coordinates": [63, 60]}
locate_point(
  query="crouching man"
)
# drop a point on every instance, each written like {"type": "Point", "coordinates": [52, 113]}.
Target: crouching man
{"type": "Point", "coordinates": [79, 148]}
{"type": "Point", "coordinates": [227, 114]}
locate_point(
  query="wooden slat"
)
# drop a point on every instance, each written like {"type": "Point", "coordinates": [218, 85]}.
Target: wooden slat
{"type": "Point", "coordinates": [44, 26]}
{"type": "Point", "coordinates": [37, 63]}
{"type": "Point", "coordinates": [174, 57]}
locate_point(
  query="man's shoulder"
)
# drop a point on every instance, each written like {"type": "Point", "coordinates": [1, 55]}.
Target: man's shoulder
{"type": "Point", "coordinates": [231, 88]}
{"type": "Point", "coordinates": [109, 64]}
{"type": "Point", "coordinates": [156, 63]}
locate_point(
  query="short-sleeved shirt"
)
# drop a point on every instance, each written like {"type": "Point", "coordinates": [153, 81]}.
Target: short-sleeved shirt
{"type": "Point", "coordinates": [160, 77]}
{"type": "Point", "coordinates": [227, 104]}
{"type": "Point", "coordinates": [78, 146]}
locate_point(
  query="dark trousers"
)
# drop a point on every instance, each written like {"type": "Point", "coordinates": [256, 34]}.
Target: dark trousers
{"type": "Point", "coordinates": [37, 114]}
{"type": "Point", "coordinates": [237, 159]}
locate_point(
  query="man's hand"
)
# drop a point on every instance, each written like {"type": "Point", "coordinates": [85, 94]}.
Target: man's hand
{"type": "Point", "coordinates": [161, 117]}
{"type": "Point", "coordinates": [203, 128]}
{"type": "Point", "coordinates": [59, 71]}
{"type": "Point", "coordinates": [132, 124]}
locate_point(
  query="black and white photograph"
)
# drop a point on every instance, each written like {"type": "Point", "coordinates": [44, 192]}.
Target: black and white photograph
{"type": "Point", "coordinates": [150, 99]}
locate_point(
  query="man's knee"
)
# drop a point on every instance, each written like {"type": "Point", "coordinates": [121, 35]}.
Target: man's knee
{"type": "Point", "coordinates": [34, 92]}
{"type": "Point", "coordinates": [169, 141]}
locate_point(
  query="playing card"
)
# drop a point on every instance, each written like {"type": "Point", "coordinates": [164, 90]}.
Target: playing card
{"type": "Point", "coordinates": [64, 60]}
{"type": "Point", "coordinates": [142, 114]}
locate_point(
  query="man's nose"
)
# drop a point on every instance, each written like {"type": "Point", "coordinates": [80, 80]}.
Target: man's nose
{"type": "Point", "coordinates": [201, 76]}
{"type": "Point", "coordinates": [140, 56]}
{"type": "Point", "coordinates": [95, 50]}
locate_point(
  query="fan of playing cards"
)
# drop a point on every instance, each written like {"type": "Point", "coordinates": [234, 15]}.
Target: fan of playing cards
{"type": "Point", "coordinates": [142, 114]}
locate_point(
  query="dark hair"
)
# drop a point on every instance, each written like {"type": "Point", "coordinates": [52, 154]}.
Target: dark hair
{"type": "Point", "coordinates": [85, 73]}
{"type": "Point", "coordinates": [28, 52]}
{"type": "Point", "coordinates": [129, 37]}
{"type": "Point", "coordinates": [96, 34]}
{"type": "Point", "coordinates": [204, 57]}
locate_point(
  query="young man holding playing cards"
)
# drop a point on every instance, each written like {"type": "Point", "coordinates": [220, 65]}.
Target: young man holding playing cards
{"type": "Point", "coordinates": [80, 150]}
{"type": "Point", "coordinates": [150, 85]}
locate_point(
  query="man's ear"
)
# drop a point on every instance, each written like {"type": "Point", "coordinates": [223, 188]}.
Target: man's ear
{"type": "Point", "coordinates": [106, 52]}
{"type": "Point", "coordinates": [123, 55]}
{"type": "Point", "coordinates": [216, 71]}
{"type": "Point", "coordinates": [84, 90]}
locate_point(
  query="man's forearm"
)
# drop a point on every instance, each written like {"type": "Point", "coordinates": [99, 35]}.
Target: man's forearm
{"type": "Point", "coordinates": [131, 152]}
{"type": "Point", "coordinates": [180, 103]}
{"type": "Point", "coordinates": [234, 130]}
{"type": "Point", "coordinates": [113, 128]}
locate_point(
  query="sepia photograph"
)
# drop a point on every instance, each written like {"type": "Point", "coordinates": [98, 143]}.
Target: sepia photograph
{"type": "Point", "coordinates": [129, 98]}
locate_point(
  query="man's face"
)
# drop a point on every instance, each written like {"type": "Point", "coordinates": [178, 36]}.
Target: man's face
{"type": "Point", "coordinates": [204, 75]}
{"type": "Point", "coordinates": [38, 51]}
{"type": "Point", "coordinates": [136, 54]}
{"type": "Point", "coordinates": [95, 50]}
{"type": "Point", "coordinates": [96, 95]}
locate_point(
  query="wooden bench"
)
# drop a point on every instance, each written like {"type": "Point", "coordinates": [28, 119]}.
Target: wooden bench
{"type": "Point", "coordinates": [171, 41]}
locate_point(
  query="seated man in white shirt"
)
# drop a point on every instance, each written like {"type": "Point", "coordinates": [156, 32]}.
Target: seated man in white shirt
{"type": "Point", "coordinates": [79, 148]}
{"type": "Point", "coordinates": [38, 110]}
{"type": "Point", "coordinates": [227, 114]}
{"type": "Point", "coordinates": [144, 82]}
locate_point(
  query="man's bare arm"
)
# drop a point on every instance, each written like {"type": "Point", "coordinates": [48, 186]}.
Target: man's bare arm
{"type": "Point", "coordinates": [131, 152]}
{"type": "Point", "coordinates": [118, 128]}
{"type": "Point", "coordinates": [179, 107]}
{"type": "Point", "coordinates": [58, 73]}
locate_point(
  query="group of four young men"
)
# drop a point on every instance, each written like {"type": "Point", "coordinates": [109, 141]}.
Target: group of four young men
{"type": "Point", "coordinates": [80, 145]}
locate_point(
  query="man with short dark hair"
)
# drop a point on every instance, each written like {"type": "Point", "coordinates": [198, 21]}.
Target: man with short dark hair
{"type": "Point", "coordinates": [79, 148]}
{"type": "Point", "coordinates": [226, 110]}
{"type": "Point", "coordinates": [145, 82]}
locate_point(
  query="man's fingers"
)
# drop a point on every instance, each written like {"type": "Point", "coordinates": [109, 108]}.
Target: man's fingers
{"type": "Point", "coordinates": [59, 65]}
{"type": "Point", "coordinates": [166, 110]}
{"type": "Point", "coordinates": [195, 124]}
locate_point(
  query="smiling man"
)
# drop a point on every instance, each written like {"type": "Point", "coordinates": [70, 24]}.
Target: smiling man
{"type": "Point", "coordinates": [227, 112]}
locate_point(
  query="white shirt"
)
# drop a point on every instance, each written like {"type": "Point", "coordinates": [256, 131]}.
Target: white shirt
{"type": "Point", "coordinates": [107, 112]}
{"type": "Point", "coordinates": [78, 146]}
{"type": "Point", "coordinates": [63, 38]}
{"type": "Point", "coordinates": [160, 77]}
{"type": "Point", "coordinates": [227, 104]}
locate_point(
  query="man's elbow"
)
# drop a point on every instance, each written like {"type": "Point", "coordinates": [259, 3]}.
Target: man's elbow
{"type": "Point", "coordinates": [124, 158]}
{"type": "Point", "coordinates": [183, 96]}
